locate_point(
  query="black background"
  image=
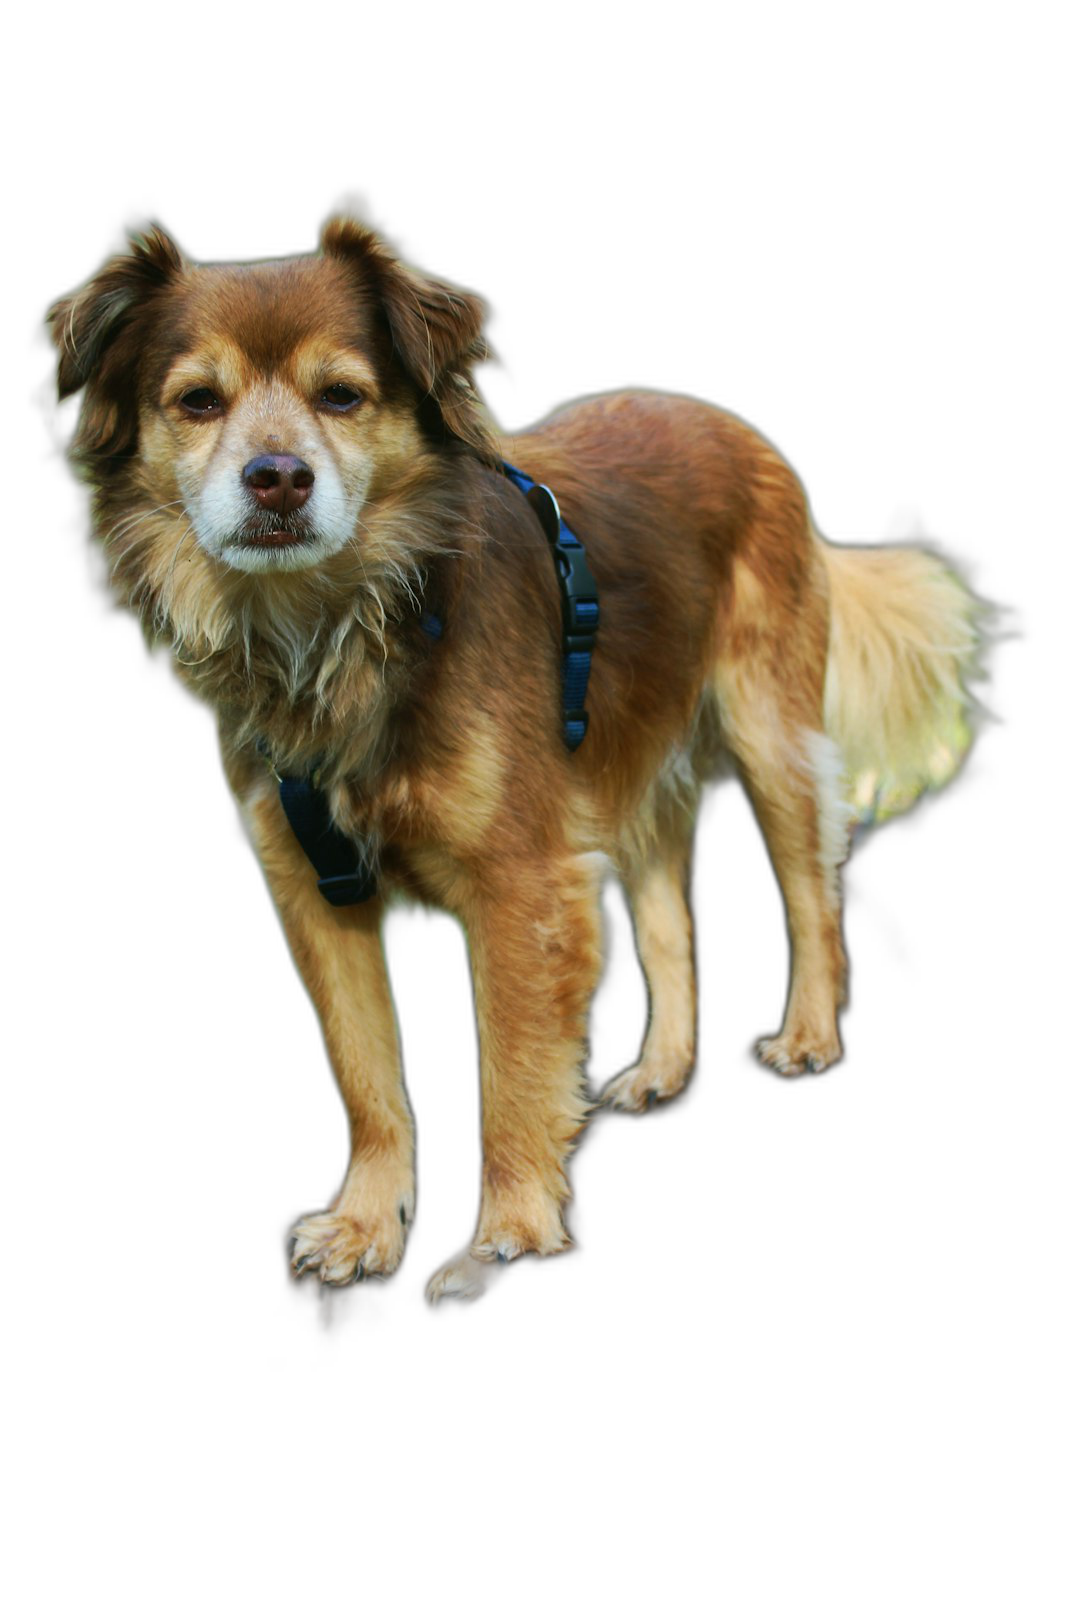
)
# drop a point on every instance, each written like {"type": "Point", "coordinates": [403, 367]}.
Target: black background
{"type": "Point", "coordinates": [860, 285]}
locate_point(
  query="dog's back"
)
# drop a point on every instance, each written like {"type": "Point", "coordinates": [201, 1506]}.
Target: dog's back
{"type": "Point", "coordinates": [701, 536]}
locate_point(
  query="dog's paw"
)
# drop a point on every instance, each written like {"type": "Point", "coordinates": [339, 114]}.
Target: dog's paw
{"type": "Point", "coordinates": [650, 1081]}
{"type": "Point", "coordinates": [529, 1223]}
{"type": "Point", "coordinates": [791, 1055]}
{"type": "Point", "coordinates": [464, 1277]}
{"type": "Point", "coordinates": [341, 1248]}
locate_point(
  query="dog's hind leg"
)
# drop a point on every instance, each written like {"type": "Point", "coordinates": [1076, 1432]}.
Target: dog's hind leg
{"type": "Point", "coordinates": [340, 957]}
{"type": "Point", "coordinates": [769, 681]}
{"type": "Point", "coordinates": [657, 888]}
{"type": "Point", "coordinates": [791, 772]}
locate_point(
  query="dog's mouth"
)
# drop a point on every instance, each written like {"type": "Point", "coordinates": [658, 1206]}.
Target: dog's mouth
{"type": "Point", "coordinates": [274, 543]}
{"type": "Point", "coordinates": [271, 539]}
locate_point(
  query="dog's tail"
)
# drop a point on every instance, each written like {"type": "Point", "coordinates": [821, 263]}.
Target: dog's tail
{"type": "Point", "coordinates": [904, 639]}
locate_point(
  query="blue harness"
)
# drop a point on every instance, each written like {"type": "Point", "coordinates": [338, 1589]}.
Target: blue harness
{"type": "Point", "coordinates": [346, 878]}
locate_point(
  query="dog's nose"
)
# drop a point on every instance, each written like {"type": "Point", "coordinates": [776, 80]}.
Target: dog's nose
{"type": "Point", "coordinates": [280, 483]}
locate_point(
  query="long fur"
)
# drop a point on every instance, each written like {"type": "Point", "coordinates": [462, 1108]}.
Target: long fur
{"type": "Point", "coordinates": [904, 641]}
{"type": "Point", "coordinates": [835, 678]}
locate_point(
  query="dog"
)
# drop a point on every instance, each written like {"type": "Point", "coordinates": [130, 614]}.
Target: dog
{"type": "Point", "coordinates": [387, 602]}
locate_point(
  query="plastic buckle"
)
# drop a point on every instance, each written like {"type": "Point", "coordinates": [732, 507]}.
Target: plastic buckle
{"type": "Point", "coordinates": [580, 598]}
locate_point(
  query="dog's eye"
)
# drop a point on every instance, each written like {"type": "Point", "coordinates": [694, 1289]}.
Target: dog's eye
{"type": "Point", "coordinates": [339, 397]}
{"type": "Point", "coordinates": [200, 402]}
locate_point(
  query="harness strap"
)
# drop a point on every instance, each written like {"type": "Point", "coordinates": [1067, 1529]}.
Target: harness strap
{"type": "Point", "coordinates": [580, 603]}
{"type": "Point", "coordinates": [346, 878]}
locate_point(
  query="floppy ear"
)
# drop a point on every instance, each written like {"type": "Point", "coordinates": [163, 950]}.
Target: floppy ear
{"type": "Point", "coordinates": [97, 331]}
{"type": "Point", "coordinates": [437, 329]}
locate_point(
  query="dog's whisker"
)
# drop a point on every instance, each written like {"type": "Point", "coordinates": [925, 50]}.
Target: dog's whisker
{"type": "Point", "coordinates": [120, 530]}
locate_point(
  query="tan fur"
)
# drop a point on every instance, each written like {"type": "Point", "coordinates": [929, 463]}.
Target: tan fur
{"type": "Point", "coordinates": [903, 637]}
{"type": "Point", "coordinates": [833, 677]}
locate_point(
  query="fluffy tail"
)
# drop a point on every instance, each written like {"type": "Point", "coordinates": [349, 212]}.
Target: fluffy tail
{"type": "Point", "coordinates": [904, 640]}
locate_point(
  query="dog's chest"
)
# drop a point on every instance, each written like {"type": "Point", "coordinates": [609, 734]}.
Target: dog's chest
{"type": "Point", "coordinates": [424, 822]}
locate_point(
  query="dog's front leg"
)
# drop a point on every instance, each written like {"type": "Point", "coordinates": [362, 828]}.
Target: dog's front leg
{"type": "Point", "coordinates": [534, 943]}
{"type": "Point", "coordinates": [340, 957]}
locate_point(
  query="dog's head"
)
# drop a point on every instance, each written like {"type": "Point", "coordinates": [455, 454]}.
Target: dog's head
{"type": "Point", "coordinates": [267, 405]}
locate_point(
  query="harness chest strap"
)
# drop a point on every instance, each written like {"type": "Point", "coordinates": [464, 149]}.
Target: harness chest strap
{"type": "Point", "coordinates": [345, 878]}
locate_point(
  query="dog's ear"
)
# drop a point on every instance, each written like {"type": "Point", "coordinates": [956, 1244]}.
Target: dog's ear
{"type": "Point", "coordinates": [437, 329]}
{"type": "Point", "coordinates": [98, 332]}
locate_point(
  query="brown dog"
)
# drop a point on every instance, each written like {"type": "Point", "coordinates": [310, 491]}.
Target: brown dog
{"type": "Point", "coordinates": [294, 482]}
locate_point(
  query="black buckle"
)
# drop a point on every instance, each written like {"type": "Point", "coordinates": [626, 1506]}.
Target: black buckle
{"type": "Point", "coordinates": [577, 577]}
